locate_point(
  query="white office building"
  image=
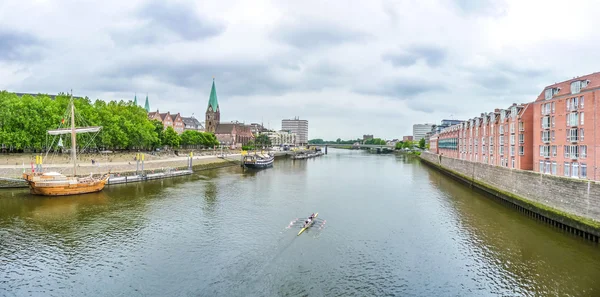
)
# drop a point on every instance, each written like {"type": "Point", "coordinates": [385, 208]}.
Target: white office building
{"type": "Point", "coordinates": [298, 127]}
{"type": "Point", "coordinates": [419, 131]}
{"type": "Point", "coordinates": [281, 138]}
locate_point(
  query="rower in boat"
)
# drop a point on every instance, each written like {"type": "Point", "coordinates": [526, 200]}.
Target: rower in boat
{"type": "Point", "coordinates": [309, 220]}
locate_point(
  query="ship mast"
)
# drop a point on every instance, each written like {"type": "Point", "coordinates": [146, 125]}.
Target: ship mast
{"type": "Point", "coordinates": [73, 135]}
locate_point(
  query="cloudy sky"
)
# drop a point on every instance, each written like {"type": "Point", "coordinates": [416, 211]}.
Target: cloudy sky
{"type": "Point", "coordinates": [349, 67]}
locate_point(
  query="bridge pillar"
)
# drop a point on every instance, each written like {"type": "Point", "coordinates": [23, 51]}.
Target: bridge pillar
{"type": "Point", "coordinates": [326, 150]}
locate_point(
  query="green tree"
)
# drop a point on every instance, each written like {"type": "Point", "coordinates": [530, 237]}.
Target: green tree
{"type": "Point", "coordinates": [158, 129]}
{"type": "Point", "coordinates": [263, 139]}
{"type": "Point", "coordinates": [210, 140]}
{"type": "Point", "coordinates": [422, 143]}
{"type": "Point", "coordinates": [171, 138]}
{"type": "Point", "coordinates": [399, 145]}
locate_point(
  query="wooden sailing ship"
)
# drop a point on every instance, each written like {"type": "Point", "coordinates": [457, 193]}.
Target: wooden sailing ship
{"type": "Point", "coordinates": [57, 184]}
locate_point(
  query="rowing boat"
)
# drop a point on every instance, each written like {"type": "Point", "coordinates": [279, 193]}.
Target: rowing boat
{"type": "Point", "coordinates": [311, 222]}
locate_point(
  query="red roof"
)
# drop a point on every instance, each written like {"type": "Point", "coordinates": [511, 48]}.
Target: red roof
{"type": "Point", "coordinates": [565, 86]}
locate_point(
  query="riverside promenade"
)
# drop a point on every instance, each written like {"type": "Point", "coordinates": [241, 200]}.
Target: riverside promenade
{"type": "Point", "coordinates": [123, 164]}
{"type": "Point", "coordinates": [103, 165]}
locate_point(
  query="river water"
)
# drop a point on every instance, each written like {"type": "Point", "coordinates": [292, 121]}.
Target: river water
{"type": "Point", "coordinates": [388, 226]}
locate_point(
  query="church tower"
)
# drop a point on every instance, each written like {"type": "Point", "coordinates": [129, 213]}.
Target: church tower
{"type": "Point", "coordinates": [213, 114]}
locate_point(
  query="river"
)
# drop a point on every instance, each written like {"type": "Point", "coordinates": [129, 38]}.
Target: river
{"type": "Point", "coordinates": [388, 226]}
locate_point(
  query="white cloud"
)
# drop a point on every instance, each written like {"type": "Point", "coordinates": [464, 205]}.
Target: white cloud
{"type": "Point", "coordinates": [349, 67]}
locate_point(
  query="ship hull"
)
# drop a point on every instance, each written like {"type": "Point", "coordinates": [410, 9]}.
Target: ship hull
{"type": "Point", "coordinates": [65, 187]}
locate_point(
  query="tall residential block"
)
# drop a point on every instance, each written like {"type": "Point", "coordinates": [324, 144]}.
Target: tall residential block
{"type": "Point", "coordinates": [565, 119]}
{"type": "Point", "coordinates": [298, 127]}
{"type": "Point", "coordinates": [419, 131]}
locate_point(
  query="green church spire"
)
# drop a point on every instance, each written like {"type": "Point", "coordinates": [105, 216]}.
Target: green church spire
{"type": "Point", "coordinates": [135, 100]}
{"type": "Point", "coordinates": [147, 106]}
{"type": "Point", "coordinates": [212, 100]}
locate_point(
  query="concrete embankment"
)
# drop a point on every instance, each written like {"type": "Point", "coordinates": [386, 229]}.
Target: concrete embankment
{"type": "Point", "coordinates": [570, 204]}
{"type": "Point", "coordinates": [129, 167]}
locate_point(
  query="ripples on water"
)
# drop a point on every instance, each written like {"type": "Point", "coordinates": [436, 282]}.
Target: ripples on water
{"type": "Point", "coordinates": [394, 228]}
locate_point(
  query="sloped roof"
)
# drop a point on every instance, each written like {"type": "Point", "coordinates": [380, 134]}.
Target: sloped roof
{"type": "Point", "coordinates": [224, 128]}
{"type": "Point", "coordinates": [191, 121]}
{"type": "Point", "coordinates": [565, 86]}
{"type": "Point", "coordinates": [163, 115]}
{"type": "Point", "coordinates": [212, 100]}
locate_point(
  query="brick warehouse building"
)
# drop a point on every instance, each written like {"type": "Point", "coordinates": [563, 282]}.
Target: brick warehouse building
{"type": "Point", "coordinates": [547, 135]}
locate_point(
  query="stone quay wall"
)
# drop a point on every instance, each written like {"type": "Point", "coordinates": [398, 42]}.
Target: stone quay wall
{"type": "Point", "coordinates": [572, 202]}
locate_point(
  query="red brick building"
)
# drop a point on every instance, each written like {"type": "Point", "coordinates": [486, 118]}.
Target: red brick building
{"type": "Point", "coordinates": [563, 114]}
{"type": "Point", "coordinates": [501, 138]}
{"type": "Point", "coordinates": [168, 120]}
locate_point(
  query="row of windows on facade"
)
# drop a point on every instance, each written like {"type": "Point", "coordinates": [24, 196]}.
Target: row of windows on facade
{"type": "Point", "coordinates": [502, 129]}
{"type": "Point", "coordinates": [464, 150]}
{"type": "Point", "coordinates": [576, 87]}
{"type": "Point", "coordinates": [572, 104]}
{"type": "Point", "coordinates": [503, 161]}
{"type": "Point", "coordinates": [570, 169]}
{"type": "Point", "coordinates": [573, 119]}
{"type": "Point", "coordinates": [500, 140]}
{"type": "Point", "coordinates": [573, 135]}
{"type": "Point", "coordinates": [570, 151]}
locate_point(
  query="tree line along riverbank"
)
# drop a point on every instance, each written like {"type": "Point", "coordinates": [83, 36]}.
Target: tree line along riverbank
{"type": "Point", "coordinates": [26, 120]}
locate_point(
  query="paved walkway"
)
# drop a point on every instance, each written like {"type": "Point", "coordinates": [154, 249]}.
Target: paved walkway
{"type": "Point", "coordinates": [13, 171]}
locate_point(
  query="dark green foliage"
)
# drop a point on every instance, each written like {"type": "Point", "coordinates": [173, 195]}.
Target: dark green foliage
{"type": "Point", "coordinates": [24, 122]}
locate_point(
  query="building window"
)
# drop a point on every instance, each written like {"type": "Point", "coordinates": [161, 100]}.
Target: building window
{"type": "Point", "coordinates": [521, 138]}
{"type": "Point", "coordinates": [572, 103]}
{"type": "Point", "coordinates": [572, 134]}
{"type": "Point", "coordinates": [512, 150]}
{"type": "Point", "coordinates": [521, 150]}
{"type": "Point", "coordinates": [545, 122]}
{"type": "Point", "coordinates": [544, 151]}
{"type": "Point", "coordinates": [553, 107]}
{"type": "Point", "coordinates": [567, 170]}
{"type": "Point", "coordinates": [581, 134]}
{"type": "Point", "coordinates": [575, 87]}
{"type": "Point", "coordinates": [548, 94]}
{"type": "Point", "coordinates": [581, 102]}
{"type": "Point", "coordinates": [581, 118]}
{"type": "Point", "coordinates": [571, 151]}
{"type": "Point", "coordinates": [575, 170]}
{"type": "Point", "coordinates": [512, 127]}
{"type": "Point", "coordinates": [513, 163]}
{"type": "Point", "coordinates": [553, 148]}
{"type": "Point", "coordinates": [521, 128]}
{"type": "Point", "coordinates": [583, 151]}
{"type": "Point", "coordinates": [545, 136]}
{"type": "Point", "coordinates": [553, 123]}
{"type": "Point", "coordinates": [512, 140]}
{"type": "Point", "coordinates": [552, 135]}
{"type": "Point", "coordinates": [572, 119]}
{"type": "Point", "coordinates": [583, 170]}
{"type": "Point", "coordinates": [553, 168]}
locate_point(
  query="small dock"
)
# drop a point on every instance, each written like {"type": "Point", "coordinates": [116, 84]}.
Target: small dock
{"type": "Point", "coordinates": [114, 180]}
